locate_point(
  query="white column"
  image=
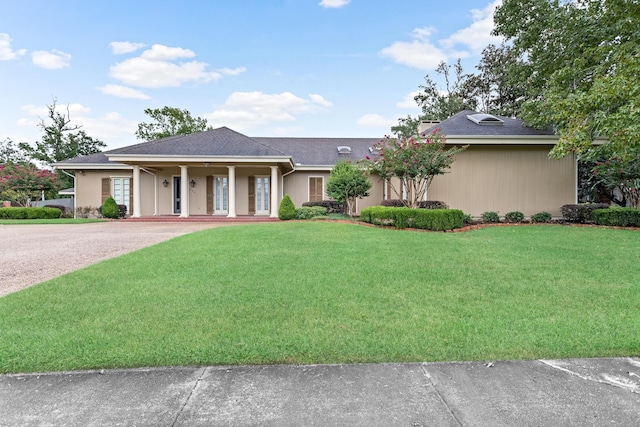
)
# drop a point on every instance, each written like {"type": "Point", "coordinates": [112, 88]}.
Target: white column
{"type": "Point", "coordinates": [274, 192]}
{"type": "Point", "coordinates": [232, 192]}
{"type": "Point", "coordinates": [136, 192]}
{"type": "Point", "coordinates": [184, 192]}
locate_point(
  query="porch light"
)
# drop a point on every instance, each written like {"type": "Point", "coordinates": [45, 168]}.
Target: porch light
{"type": "Point", "coordinates": [165, 183]}
{"type": "Point", "coordinates": [192, 183]}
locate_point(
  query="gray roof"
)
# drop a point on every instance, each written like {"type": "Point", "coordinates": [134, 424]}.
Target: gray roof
{"type": "Point", "coordinates": [96, 158]}
{"type": "Point", "coordinates": [217, 142]}
{"type": "Point", "coordinates": [320, 151]}
{"type": "Point", "coordinates": [460, 125]}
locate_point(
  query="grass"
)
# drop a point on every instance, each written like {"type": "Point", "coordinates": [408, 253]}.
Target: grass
{"type": "Point", "coordinates": [322, 292]}
{"type": "Point", "coordinates": [49, 221]}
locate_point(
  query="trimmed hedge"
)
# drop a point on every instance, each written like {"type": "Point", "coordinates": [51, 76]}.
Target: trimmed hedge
{"type": "Point", "coordinates": [541, 217]}
{"type": "Point", "coordinates": [620, 217]}
{"type": "Point", "coordinates": [581, 213]}
{"type": "Point", "coordinates": [30, 213]}
{"type": "Point", "coordinates": [427, 219]}
{"type": "Point", "coordinates": [426, 204]}
{"type": "Point", "coordinates": [308, 212]}
{"type": "Point", "coordinates": [331, 205]}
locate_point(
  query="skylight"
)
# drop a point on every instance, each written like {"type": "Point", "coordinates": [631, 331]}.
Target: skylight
{"type": "Point", "coordinates": [374, 151]}
{"type": "Point", "coordinates": [485, 119]}
{"type": "Point", "coordinates": [344, 149]}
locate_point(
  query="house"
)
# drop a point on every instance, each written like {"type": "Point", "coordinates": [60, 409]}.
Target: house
{"type": "Point", "coordinates": [223, 172]}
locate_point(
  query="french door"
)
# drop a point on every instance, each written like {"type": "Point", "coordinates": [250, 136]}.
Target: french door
{"type": "Point", "coordinates": [220, 195]}
{"type": "Point", "coordinates": [262, 195]}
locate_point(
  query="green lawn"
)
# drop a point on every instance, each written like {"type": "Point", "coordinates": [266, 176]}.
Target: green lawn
{"type": "Point", "coordinates": [323, 292]}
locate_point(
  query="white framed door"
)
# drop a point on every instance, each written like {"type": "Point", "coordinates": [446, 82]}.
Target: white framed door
{"type": "Point", "coordinates": [220, 195]}
{"type": "Point", "coordinates": [263, 190]}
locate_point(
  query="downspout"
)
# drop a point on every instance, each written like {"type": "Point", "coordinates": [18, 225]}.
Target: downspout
{"type": "Point", "coordinates": [75, 199]}
{"type": "Point", "coordinates": [283, 175]}
{"type": "Point", "coordinates": [155, 190]}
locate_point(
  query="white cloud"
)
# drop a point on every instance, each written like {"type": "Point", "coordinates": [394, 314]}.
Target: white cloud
{"type": "Point", "coordinates": [52, 60]}
{"type": "Point", "coordinates": [243, 110]}
{"type": "Point", "coordinates": [111, 127]}
{"type": "Point", "coordinates": [334, 4]}
{"type": "Point", "coordinates": [232, 71]}
{"type": "Point", "coordinates": [478, 35]}
{"type": "Point", "coordinates": [376, 121]}
{"type": "Point", "coordinates": [6, 52]}
{"type": "Point", "coordinates": [157, 67]}
{"type": "Point", "coordinates": [424, 54]}
{"type": "Point", "coordinates": [408, 101]}
{"type": "Point", "coordinates": [119, 48]}
{"type": "Point", "coordinates": [419, 53]}
{"type": "Point", "coordinates": [123, 92]}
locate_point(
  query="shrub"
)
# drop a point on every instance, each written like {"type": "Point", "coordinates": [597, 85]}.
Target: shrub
{"type": "Point", "coordinates": [402, 217]}
{"type": "Point", "coordinates": [122, 210]}
{"type": "Point", "coordinates": [331, 205]}
{"type": "Point", "coordinates": [581, 213]}
{"type": "Point", "coordinates": [30, 213]}
{"type": "Point", "coordinates": [467, 219]}
{"type": "Point", "coordinates": [541, 217]}
{"type": "Point", "coordinates": [86, 211]}
{"type": "Point", "coordinates": [287, 209]}
{"type": "Point", "coordinates": [308, 212]}
{"type": "Point", "coordinates": [620, 217]}
{"type": "Point", "coordinates": [514, 217]}
{"type": "Point", "coordinates": [66, 213]}
{"type": "Point", "coordinates": [110, 208]}
{"type": "Point", "coordinates": [490, 216]}
{"type": "Point", "coordinates": [425, 204]}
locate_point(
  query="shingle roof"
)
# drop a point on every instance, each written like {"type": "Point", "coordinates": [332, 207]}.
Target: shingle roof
{"type": "Point", "coordinates": [320, 151]}
{"type": "Point", "coordinates": [97, 158]}
{"type": "Point", "coordinates": [460, 125]}
{"type": "Point", "coordinates": [217, 142]}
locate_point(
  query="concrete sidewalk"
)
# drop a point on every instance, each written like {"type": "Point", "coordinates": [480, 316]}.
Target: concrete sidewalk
{"type": "Point", "coordinates": [578, 392]}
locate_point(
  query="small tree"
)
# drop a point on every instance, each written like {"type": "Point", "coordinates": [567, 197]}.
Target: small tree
{"type": "Point", "coordinates": [24, 183]}
{"type": "Point", "coordinates": [415, 162]}
{"type": "Point", "coordinates": [287, 209]}
{"type": "Point", "coordinates": [348, 182]}
{"type": "Point", "coordinates": [110, 208]}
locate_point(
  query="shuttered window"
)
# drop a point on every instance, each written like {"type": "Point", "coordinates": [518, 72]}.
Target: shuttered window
{"type": "Point", "coordinates": [315, 189]}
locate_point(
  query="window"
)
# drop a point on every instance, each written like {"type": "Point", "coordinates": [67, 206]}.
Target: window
{"type": "Point", "coordinates": [220, 194]}
{"type": "Point", "coordinates": [121, 191]}
{"type": "Point", "coordinates": [316, 188]}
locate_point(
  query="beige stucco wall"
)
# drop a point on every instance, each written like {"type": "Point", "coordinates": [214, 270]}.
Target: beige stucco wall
{"type": "Point", "coordinates": [296, 185]}
{"type": "Point", "coordinates": [89, 186]}
{"type": "Point", "coordinates": [507, 178]}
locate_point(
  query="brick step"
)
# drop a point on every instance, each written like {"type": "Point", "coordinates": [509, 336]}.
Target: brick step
{"type": "Point", "coordinates": [202, 218]}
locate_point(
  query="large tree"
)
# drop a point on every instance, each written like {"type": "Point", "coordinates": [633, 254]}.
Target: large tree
{"type": "Point", "coordinates": [61, 139]}
{"type": "Point", "coordinates": [580, 61]}
{"type": "Point", "coordinates": [10, 153]}
{"type": "Point", "coordinates": [169, 121]}
{"type": "Point", "coordinates": [25, 183]}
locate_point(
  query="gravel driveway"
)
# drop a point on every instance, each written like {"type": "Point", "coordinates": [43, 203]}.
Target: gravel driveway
{"type": "Point", "coordinates": [31, 254]}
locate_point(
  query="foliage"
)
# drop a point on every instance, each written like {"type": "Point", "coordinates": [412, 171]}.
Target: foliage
{"type": "Point", "coordinates": [348, 182]}
{"type": "Point", "coordinates": [467, 219]}
{"type": "Point", "coordinates": [11, 154]}
{"type": "Point", "coordinates": [30, 213]}
{"type": "Point", "coordinates": [541, 217]}
{"type": "Point", "coordinates": [619, 170]}
{"type": "Point", "coordinates": [332, 206]}
{"type": "Point", "coordinates": [423, 204]}
{"type": "Point", "coordinates": [24, 183]}
{"type": "Point", "coordinates": [490, 216]}
{"type": "Point", "coordinates": [580, 62]}
{"type": "Point", "coordinates": [110, 208]}
{"type": "Point", "coordinates": [287, 209]}
{"type": "Point", "coordinates": [64, 212]}
{"type": "Point", "coordinates": [169, 121]}
{"type": "Point", "coordinates": [581, 213]}
{"type": "Point", "coordinates": [620, 217]}
{"type": "Point", "coordinates": [61, 140]}
{"type": "Point", "coordinates": [414, 162]}
{"type": "Point", "coordinates": [308, 212]}
{"type": "Point", "coordinates": [428, 219]}
{"type": "Point", "coordinates": [514, 217]}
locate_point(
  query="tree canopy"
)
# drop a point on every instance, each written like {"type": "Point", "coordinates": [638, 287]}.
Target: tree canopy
{"type": "Point", "coordinates": [169, 121]}
{"type": "Point", "coordinates": [580, 61]}
{"type": "Point", "coordinates": [61, 140]}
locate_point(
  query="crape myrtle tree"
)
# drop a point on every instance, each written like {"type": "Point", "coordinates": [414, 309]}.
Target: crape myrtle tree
{"type": "Point", "coordinates": [169, 121]}
{"type": "Point", "coordinates": [348, 182]}
{"type": "Point", "coordinates": [24, 183]}
{"type": "Point", "coordinates": [413, 162]}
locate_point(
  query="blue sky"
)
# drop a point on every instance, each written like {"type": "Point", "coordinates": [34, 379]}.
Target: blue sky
{"type": "Point", "coordinates": [326, 68]}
